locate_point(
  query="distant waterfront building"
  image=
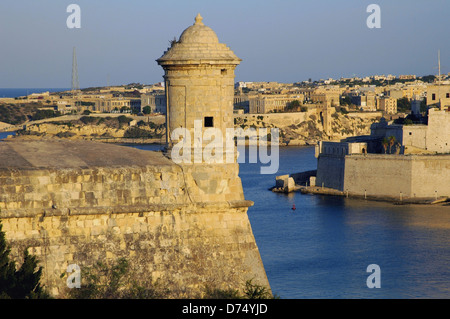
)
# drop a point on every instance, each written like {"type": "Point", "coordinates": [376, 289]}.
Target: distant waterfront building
{"type": "Point", "coordinates": [64, 107]}
{"type": "Point", "coordinates": [407, 77]}
{"type": "Point", "coordinates": [115, 104]}
{"type": "Point", "coordinates": [267, 103]}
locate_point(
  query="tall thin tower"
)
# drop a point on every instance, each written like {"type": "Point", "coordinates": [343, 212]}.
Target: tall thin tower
{"type": "Point", "coordinates": [75, 83]}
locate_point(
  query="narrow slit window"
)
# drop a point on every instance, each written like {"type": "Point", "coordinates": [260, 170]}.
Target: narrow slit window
{"type": "Point", "coordinates": [209, 121]}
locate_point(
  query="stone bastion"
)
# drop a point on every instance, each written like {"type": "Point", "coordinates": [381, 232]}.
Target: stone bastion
{"type": "Point", "coordinates": [80, 202]}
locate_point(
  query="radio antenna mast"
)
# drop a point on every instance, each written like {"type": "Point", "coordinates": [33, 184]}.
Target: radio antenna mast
{"type": "Point", "coordinates": [75, 83]}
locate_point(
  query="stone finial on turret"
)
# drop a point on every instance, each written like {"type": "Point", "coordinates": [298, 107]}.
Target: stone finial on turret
{"type": "Point", "coordinates": [198, 20]}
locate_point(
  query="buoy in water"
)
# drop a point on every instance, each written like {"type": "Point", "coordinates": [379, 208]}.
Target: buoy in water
{"type": "Point", "coordinates": [293, 207]}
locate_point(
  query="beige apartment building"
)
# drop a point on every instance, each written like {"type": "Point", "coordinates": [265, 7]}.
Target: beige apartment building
{"type": "Point", "coordinates": [387, 104]}
{"type": "Point", "coordinates": [411, 91]}
{"type": "Point", "coordinates": [366, 101]}
{"type": "Point", "coordinates": [267, 103]}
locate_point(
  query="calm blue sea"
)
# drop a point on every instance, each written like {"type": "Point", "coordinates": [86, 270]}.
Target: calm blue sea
{"type": "Point", "coordinates": [322, 249]}
{"type": "Point", "coordinates": [26, 91]}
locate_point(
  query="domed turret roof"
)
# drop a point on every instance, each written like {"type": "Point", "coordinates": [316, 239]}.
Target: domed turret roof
{"type": "Point", "coordinates": [198, 33]}
{"type": "Point", "coordinates": [198, 44]}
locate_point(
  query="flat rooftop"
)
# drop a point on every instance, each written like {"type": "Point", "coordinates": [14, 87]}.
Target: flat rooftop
{"type": "Point", "coordinates": [60, 154]}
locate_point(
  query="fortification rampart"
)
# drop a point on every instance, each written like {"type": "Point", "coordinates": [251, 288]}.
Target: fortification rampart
{"type": "Point", "coordinates": [185, 225]}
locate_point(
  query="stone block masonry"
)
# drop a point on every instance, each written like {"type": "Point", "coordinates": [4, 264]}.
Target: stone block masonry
{"type": "Point", "coordinates": [185, 225]}
{"type": "Point", "coordinates": [186, 248]}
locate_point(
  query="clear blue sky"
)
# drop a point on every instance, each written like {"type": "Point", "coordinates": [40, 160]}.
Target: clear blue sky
{"type": "Point", "coordinates": [284, 40]}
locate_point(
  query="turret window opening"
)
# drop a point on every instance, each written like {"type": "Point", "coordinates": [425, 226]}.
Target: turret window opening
{"type": "Point", "coordinates": [209, 121]}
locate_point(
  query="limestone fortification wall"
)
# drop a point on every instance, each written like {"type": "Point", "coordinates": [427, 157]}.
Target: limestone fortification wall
{"type": "Point", "coordinates": [431, 176]}
{"type": "Point", "coordinates": [377, 175]}
{"type": "Point", "coordinates": [421, 176]}
{"type": "Point", "coordinates": [187, 226]}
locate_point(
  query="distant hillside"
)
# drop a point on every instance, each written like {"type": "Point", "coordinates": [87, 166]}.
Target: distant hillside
{"type": "Point", "coordinates": [3, 125]}
{"type": "Point", "coordinates": [20, 113]}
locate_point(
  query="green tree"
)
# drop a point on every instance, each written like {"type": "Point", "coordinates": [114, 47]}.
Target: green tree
{"type": "Point", "coordinates": [293, 105]}
{"type": "Point", "coordinates": [22, 283]}
{"type": "Point", "coordinates": [403, 105]}
{"type": "Point", "coordinates": [44, 114]}
{"type": "Point", "coordinates": [346, 100]}
{"type": "Point", "coordinates": [124, 109]}
{"type": "Point", "coordinates": [123, 119]}
{"type": "Point", "coordinates": [147, 109]}
{"type": "Point", "coordinates": [88, 119]}
{"type": "Point", "coordinates": [250, 291]}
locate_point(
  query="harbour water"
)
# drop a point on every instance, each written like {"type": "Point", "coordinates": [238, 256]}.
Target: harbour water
{"type": "Point", "coordinates": [323, 248]}
{"type": "Point", "coordinates": [16, 92]}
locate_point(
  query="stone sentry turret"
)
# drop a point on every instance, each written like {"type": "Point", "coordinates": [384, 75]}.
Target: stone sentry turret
{"type": "Point", "coordinates": [199, 81]}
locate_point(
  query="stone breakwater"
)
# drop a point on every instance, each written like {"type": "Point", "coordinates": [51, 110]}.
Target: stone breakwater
{"type": "Point", "coordinates": [84, 202]}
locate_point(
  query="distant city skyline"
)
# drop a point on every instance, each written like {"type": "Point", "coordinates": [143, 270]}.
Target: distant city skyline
{"type": "Point", "coordinates": [284, 41]}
